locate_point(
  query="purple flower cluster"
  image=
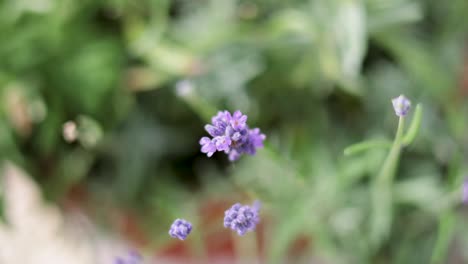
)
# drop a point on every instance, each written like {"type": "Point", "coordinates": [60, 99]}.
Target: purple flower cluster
{"type": "Point", "coordinates": [180, 229]}
{"type": "Point", "coordinates": [231, 134]}
{"type": "Point", "coordinates": [132, 258]}
{"type": "Point", "coordinates": [242, 218]}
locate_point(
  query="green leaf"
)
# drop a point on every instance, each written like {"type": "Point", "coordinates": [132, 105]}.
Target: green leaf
{"type": "Point", "coordinates": [366, 145]}
{"type": "Point", "coordinates": [414, 127]}
{"type": "Point", "coordinates": [289, 229]}
{"type": "Point", "coordinates": [387, 14]}
{"type": "Point", "coordinates": [90, 131]}
{"type": "Point", "coordinates": [444, 237]}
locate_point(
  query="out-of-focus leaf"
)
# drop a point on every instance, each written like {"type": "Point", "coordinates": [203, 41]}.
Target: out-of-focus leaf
{"type": "Point", "coordinates": [204, 27]}
{"type": "Point", "coordinates": [342, 42]}
{"type": "Point", "coordinates": [73, 168]}
{"type": "Point", "coordinates": [416, 57]}
{"type": "Point", "coordinates": [366, 145]}
{"type": "Point", "coordinates": [351, 37]}
{"type": "Point", "coordinates": [186, 89]}
{"type": "Point", "coordinates": [268, 175]}
{"type": "Point", "coordinates": [291, 21]}
{"type": "Point", "coordinates": [92, 70]}
{"type": "Point", "coordinates": [444, 237]}
{"type": "Point", "coordinates": [89, 131]}
{"type": "Point", "coordinates": [418, 191]}
{"type": "Point", "coordinates": [229, 69]}
{"type": "Point", "coordinates": [386, 14]}
{"type": "Point", "coordinates": [288, 229]}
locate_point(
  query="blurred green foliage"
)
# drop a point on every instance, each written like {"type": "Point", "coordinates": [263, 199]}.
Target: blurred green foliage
{"type": "Point", "coordinates": [315, 76]}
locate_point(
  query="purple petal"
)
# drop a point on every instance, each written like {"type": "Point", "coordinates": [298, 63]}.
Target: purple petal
{"type": "Point", "coordinates": [222, 143]}
{"type": "Point", "coordinates": [204, 140]}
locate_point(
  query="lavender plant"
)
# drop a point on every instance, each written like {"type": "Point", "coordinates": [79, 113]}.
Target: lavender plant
{"type": "Point", "coordinates": [381, 190]}
{"type": "Point", "coordinates": [114, 60]}
{"type": "Point", "coordinates": [180, 229]}
{"type": "Point", "coordinates": [242, 218]}
{"type": "Point", "coordinates": [232, 135]}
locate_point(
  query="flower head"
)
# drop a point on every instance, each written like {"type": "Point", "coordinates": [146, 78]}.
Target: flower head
{"type": "Point", "coordinates": [180, 229]}
{"type": "Point", "coordinates": [465, 191]}
{"type": "Point", "coordinates": [232, 135]}
{"type": "Point", "coordinates": [401, 105]}
{"type": "Point", "coordinates": [242, 218]}
{"type": "Point", "coordinates": [131, 258]}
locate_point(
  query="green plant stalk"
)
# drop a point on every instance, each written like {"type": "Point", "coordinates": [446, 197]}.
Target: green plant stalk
{"type": "Point", "coordinates": [413, 129]}
{"type": "Point", "coordinates": [381, 191]}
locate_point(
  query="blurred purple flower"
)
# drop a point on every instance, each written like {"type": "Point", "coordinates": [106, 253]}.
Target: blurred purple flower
{"type": "Point", "coordinates": [222, 143]}
{"type": "Point", "coordinates": [132, 258]}
{"type": "Point", "coordinates": [180, 229]}
{"type": "Point", "coordinates": [232, 135]}
{"type": "Point", "coordinates": [208, 146]}
{"type": "Point", "coordinates": [401, 105]}
{"type": "Point", "coordinates": [242, 218]}
{"type": "Point", "coordinates": [238, 120]}
{"type": "Point", "coordinates": [465, 191]}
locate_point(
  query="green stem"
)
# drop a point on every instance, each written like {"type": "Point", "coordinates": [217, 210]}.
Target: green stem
{"type": "Point", "coordinates": [391, 162]}
{"type": "Point", "coordinates": [381, 191]}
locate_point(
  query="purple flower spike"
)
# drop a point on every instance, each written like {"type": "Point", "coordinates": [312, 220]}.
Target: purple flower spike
{"type": "Point", "coordinates": [401, 105]}
{"type": "Point", "coordinates": [465, 191]}
{"type": "Point", "coordinates": [231, 134]}
{"type": "Point", "coordinates": [180, 229]}
{"type": "Point", "coordinates": [242, 218]}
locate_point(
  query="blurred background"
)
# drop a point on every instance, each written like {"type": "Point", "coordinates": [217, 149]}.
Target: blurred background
{"type": "Point", "coordinates": [102, 104]}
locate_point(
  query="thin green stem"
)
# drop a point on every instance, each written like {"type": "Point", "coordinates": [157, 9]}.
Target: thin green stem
{"type": "Point", "coordinates": [381, 191]}
{"type": "Point", "coordinates": [391, 162]}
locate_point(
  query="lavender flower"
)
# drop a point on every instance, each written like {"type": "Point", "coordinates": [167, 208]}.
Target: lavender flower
{"type": "Point", "coordinates": [242, 218]}
{"type": "Point", "coordinates": [222, 143]}
{"type": "Point", "coordinates": [401, 105]}
{"type": "Point", "coordinates": [238, 120]}
{"type": "Point", "coordinates": [232, 135]}
{"type": "Point", "coordinates": [132, 258]}
{"type": "Point", "coordinates": [180, 229]}
{"type": "Point", "coordinates": [208, 146]}
{"type": "Point", "coordinates": [465, 191]}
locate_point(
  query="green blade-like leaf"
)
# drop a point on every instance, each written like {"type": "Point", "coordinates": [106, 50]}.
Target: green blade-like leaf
{"type": "Point", "coordinates": [366, 145]}
{"type": "Point", "coordinates": [444, 237]}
